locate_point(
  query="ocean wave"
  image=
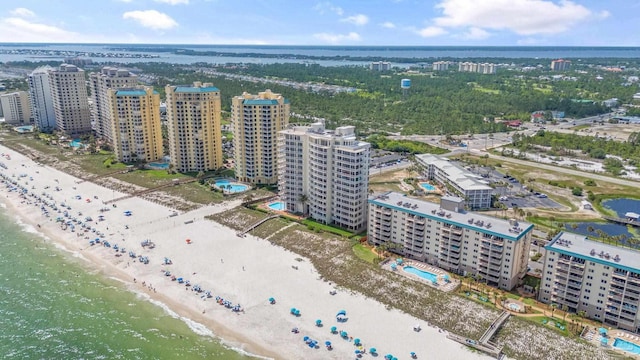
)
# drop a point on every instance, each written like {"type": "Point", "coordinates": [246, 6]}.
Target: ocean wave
{"type": "Point", "coordinates": [199, 328]}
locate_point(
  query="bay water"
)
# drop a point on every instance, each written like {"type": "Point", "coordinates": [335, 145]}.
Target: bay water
{"type": "Point", "coordinates": [53, 306]}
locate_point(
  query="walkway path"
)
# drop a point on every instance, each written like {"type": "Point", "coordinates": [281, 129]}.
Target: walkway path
{"type": "Point", "coordinates": [281, 229]}
{"type": "Point", "coordinates": [255, 225]}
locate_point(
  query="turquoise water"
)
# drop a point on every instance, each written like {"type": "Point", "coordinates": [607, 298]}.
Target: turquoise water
{"type": "Point", "coordinates": [159, 165]}
{"type": "Point", "coordinates": [76, 143]}
{"type": "Point", "coordinates": [423, 274]}
{"type": "Point", "coordinates": [51, 307]}
{"type": "Point", "coordinates": [427, 187]}
{"type": "Point", "coordinates": [626, 346]}
{"type": "Point", "coordinates": [25, 128]}
{"type": "Point", "coordinates": [277, 205]}
{"type": "Point", "coordinates": [231, 187]}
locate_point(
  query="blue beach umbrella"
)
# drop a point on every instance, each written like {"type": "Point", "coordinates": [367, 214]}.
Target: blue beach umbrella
{"type": "Point", "coordinates": [334, 329]}
{"type": "Point", "coordinates": [327, 343]}
{"type": "Point", "coordinates": [356, 341]}
{"type": "Point", "coordinates": [318, 322]}
{"type": "Point", "coordinates": [373, 350]}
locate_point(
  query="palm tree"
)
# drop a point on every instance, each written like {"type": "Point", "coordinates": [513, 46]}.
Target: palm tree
{"type": "Point", "coordinates": [565, 309]}
{"type": "Point", "coordinates": [304, 199]}
{"type": "Point", "coordinates": [553, 308]}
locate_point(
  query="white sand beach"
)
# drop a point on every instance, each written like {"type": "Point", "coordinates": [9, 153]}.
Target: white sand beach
{"type": "Point", "coordinates": [246, 271]}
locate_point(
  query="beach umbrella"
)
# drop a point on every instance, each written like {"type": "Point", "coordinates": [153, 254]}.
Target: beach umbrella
{"type": "Point", "coordinates": [334, 329]}
{"type": "Point", "coordinates": [305, 338]}
{"type": "Point", "coordinates": [342, 312]}
{"type": "Point", "coordinates": [327, 343]}
{"type": "Point", "coordinates": [388, 356]}
{"type": "Point", "coordinates": [373, 350]}
{"type": "Point", "coordinates": [272, 300]}
{"type": "Point", "coordinates": [318, 322]}
{"type": "Point", "coordinates": [357, 352]}
{"type": "Point", "coordinates": [356, 341]}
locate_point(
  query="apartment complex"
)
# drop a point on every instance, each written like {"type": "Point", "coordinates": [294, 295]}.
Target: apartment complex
{"type": "Point", "coordinates": [446, 236]}
{"type": "Point", "coordinates": [380, 66]}
{"type": "Point", "coordinates": [256, 120]}
{"type": "Point", "coordinates": [560, 65]}
{"type": "Point", "coordinates": [41, 101]}
{"type": "Point", "coordinates": [600, 279]}
{"type": "Point", "coordinates": [101, 82]}
{"type": "Point", "coordinates": [70, 101]}
{"type": "Point", "coordinates": [135, 124]}
{"type": "Point", "coordinates": [440, 65]}
{"type": "Point", "coordinates": [482, 68]}
{"type": "Point", "coordinates": [325, 174]}
{"type": "Point", "coordinates": [193, 118]}
{"type": "Point", "coordinates": [458, 181]}
{"type": "Point", "coordinates": [15, 107]}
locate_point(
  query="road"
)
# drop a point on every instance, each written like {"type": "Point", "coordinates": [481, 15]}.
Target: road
{"type": "Point", "coordinates": [562, 170]}
{"type": "Point", "coordinates": [377, 171]}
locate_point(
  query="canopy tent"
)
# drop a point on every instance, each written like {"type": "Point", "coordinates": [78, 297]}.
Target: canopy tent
{"type": "Point", "coordinates": [342, 312]}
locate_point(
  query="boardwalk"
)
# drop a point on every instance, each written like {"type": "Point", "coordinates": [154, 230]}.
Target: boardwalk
{"type": "Point", "coordinates": [622, 221]}
{"type": "Point", "coordinates": [485, 344]}
{"type": "Point", "coordinates": [146, 191]}
{"type": "Point", "coordinates": [255, 225]}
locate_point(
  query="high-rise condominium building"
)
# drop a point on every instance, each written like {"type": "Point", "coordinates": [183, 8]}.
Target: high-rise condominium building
{"type": "Point", "coordinates": [193, 117]}
{"type": "Point", "coordinates": [600, 279]}
{"type": "Point", "coordinates": [41, 100]}
{"type": "Point", "coordinates": [446, 236]}
{"type": "Point", "coordinates": [135, 124]}
{"type": "Point", "coordinates": [380, 66]}
{"type": "Point", "coordinates": [325, 174]}
{"type": "Point", "coordinates": [560, 65]}
{"type": "Point", "coordinates": [70, 101]}
{"type": "Point", "coordinates": [101, 82]}
{"type": "Point", "coordinates": [440, 65]}
{"type": "Point", "coordinates": [256, 120]}
{"type": "Point", "coordinates": [15, 107]}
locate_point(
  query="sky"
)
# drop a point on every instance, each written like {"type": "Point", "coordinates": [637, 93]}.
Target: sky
{"type": "Point", "coordinates": [309, 22]}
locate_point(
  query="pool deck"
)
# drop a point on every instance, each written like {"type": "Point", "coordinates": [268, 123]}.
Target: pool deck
{"type": "Point", "coordinates": [593, 336]}
{"type": "Point", "coordinates": [442, 285]}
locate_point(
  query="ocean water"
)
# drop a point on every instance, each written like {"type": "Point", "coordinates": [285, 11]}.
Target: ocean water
{"type": "Point", "coordinates": [51, 307]}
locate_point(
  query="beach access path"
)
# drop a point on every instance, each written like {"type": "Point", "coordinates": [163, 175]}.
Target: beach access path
{"type": "Point", "coordinates": [246, 271]}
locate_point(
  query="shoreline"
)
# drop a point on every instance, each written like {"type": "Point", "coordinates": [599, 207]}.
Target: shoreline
{"type": "Point", "coordinates": [246, 270]}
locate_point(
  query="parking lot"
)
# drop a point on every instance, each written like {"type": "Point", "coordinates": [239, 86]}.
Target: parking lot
{"type": "Point", "coordinates": [511, 192]}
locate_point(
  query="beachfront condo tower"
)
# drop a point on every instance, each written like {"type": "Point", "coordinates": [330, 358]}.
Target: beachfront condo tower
{"type": "Point", "coordinates": [135, 125]}
{"type": "Point", "coordinates": [193, 117]}
{"type": "Point", "coordinates": [41, 101]}
{"type": "Point", "coordinates": [70, 100]}
{"type": "Point", "coordinates": [599, 280]}
{"type": "Point", "coordinates": [256, 120]}
{"type": "Point", "coordinates": [15, 107]}
{"type": "Point", "coordinates": [101, 82]}
{"type": "Point", "coordinates": [324, 174]}
{"type": "Point", "coordinates": [445, 235]}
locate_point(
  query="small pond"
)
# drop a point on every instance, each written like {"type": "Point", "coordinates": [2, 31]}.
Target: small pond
{"type": "Point", "coordinates": [620, 207]}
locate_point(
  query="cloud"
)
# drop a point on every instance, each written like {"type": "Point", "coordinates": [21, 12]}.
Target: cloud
{"type": "Point", "coordinates": [475, 33]}
{"type": "Point", "coordinates": [359, 19]}
{"type": "Point", "coordinates": [431, 31]}
{"type": "Point", "coordinates": [124, 1]}
{"type": "Point", "coordinates": [325, 7]}
{"type": "Point", "coordinates": [388, 25]}
{"type": "Point", "coordinates": [151, 19]}
{"type": "Point", "coordinates": [173, 2]}
{"type": "Point", "coordinates": [16, 29]}
{"type": "Point", "coordinates": [22, 12]}
{"type": "Point", "coordinates": [524, 17]}
{"type": "Point", "coordinates": [337, 38]}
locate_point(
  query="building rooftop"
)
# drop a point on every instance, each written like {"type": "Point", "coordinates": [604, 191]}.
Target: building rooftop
{"type": "Point", "coordinates": [260, 102]}
{"type": "Point", "coordinates": [133, 92]}
{"type": "Point", "coordinates": [508, 229]}
{"type": "Point", "coordinates": [465, 179]}
{"type": "Point", "coordinates": [191, 89]}
{"type": "Point", "coordinates": [579, 245]}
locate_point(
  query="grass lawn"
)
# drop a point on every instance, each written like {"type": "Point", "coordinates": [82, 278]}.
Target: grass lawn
{"type": "Point", "coordinates": [529, 302]}
{"type": "Point", "coordinates": [97, 164]}
{"type": "Point", "coordinates": [194, 192]}
{"type": "Point", "coordinates": [363, 252]}
{"type": "Point", "coordinates": [512, 296]}
{"type": "Point", "coordinates": [328, 228]}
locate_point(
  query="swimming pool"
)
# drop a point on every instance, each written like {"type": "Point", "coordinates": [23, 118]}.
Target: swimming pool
{"type": "Point", "coordinates": [75, 143]}
{"type": "Point", "coordinates": [428, 187]}
{"type": "Point", "coordinates": [626, 346]}
{"type": "Point", "coordinates": [24, 129]}
{"type": "Point", "coordinates": [230, 187]}
{"type": "Point", "coordinates": [277, 205]}
{"type": "Point", "coordinates": [159, 165]}
{"type": "Point", "coordinates": [514, 307]}
{"type": "Point", "coordinates": [423, 274]}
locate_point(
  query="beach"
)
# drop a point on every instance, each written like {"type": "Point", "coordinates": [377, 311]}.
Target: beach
{"type": "Point", "coordinates": [244, 271]}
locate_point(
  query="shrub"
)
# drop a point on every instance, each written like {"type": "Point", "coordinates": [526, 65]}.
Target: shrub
{"type": "Point", "coordinates": [589, 182]}
{"type": "Point", "coordinates": [576, 191]}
